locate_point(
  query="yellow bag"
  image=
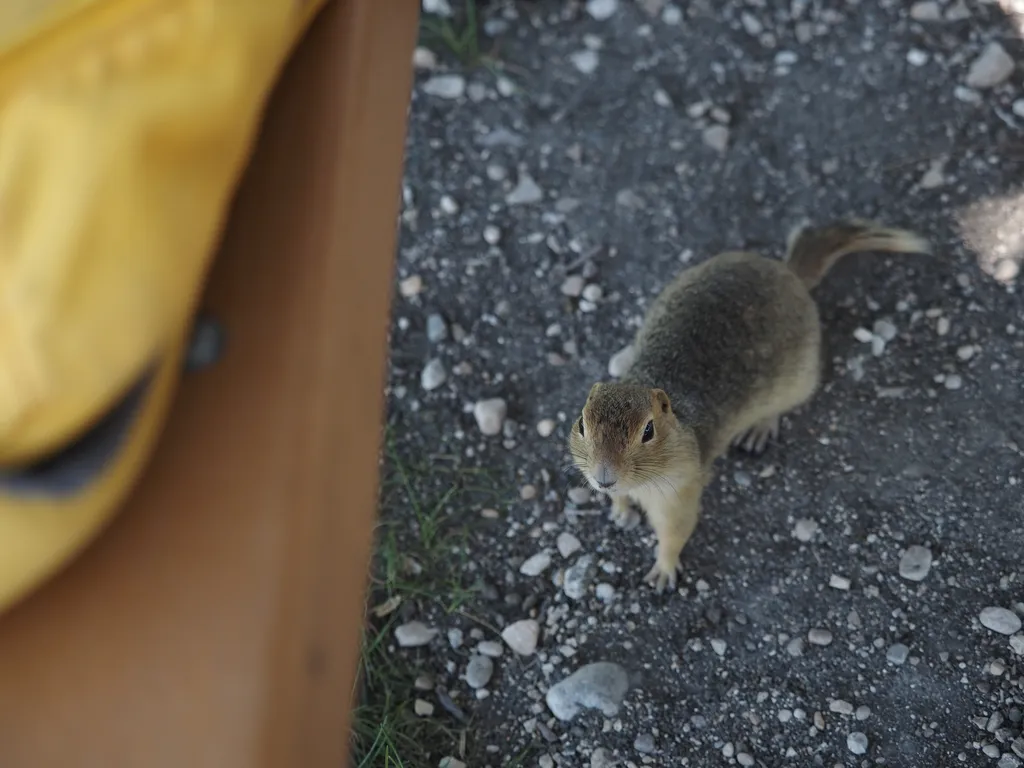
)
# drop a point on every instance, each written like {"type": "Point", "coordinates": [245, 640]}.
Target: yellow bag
{"type": "Point", "coordinates": [124, 128]}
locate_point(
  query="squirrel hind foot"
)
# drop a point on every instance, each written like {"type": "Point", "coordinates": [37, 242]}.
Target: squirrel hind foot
{"type": "Point", "coordinates": [755, 440]}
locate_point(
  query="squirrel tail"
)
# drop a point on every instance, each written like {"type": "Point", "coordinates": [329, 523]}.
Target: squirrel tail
{"type": "Point", "coordinates": [812, 251]}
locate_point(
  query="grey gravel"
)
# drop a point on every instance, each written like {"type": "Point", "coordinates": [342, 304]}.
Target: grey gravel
{"type": "Point", "coordinates": [897, 653]}
{"type": "Point", "coordinates": [479, 671]}
{"type": "Point", "coordinates": [1001, 620]}
{"type": "Point", "coordinates": [577, 577]}
{"type": "Point", "coordinates": [526, 191]}
{"type": "Point", "coordinates": [915, 563]}
{"type": "Point", "coordinates": [818, 636]}
{"type": "Point", "coordinates": [644, 743]}
{"type": "Point", "coordinates": [567, 544]}
{"type": "Point", "coordinates": [992, 67]}
{"type": "Point", "coordinates": [601, 685]}
{"type": "Point", "coordinates": [490, 648]}
{"type": "Point", "coordinates": [857, 743]}
{"type": "Point", "coordinates": [437, 328]}
{"type": "Point", "coordinates": [621, 362]}
{"type": "Point", "coordinates": [433, 375]}
{"type": "Point", "coordinates": [535, 565]}
{"type": "Point", "coordinates": [445, 86]}
{"type": "Point", "coordinates": [414, 633]}
{"type": "Point", "coordinates": [490, 415]}
{"type": "Point", "coordinates": [522, 636]}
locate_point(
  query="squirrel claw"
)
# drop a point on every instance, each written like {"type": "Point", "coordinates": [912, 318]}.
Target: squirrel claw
{"type": "Point", "coordinates": [660, 577]}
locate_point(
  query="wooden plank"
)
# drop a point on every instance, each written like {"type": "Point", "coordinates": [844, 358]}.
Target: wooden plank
{"type": "Point", "coordinates": [217, 621]}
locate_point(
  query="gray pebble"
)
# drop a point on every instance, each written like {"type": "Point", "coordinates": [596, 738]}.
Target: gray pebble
{"type": "Point", "coordinates": [804, 529]}
{"type": "Point", "coordinates": [490, 648]}
{"type": "Point", "coordinates": [644, 743]}
{"type": "Point", "coordinates": [567, 544]}
{"type": "Point", "coordinates": [479, 671]}
{"type": "Point", "coordinates": [1017, 644]}
{"type": "Point", "coordinates": [579, 496]}
{"type": "Point", "coordinates": [621, 362]}
{"type": "Point", "coordinates": [455, 637]}
{"type": "Point", "coordinates": [819, 636]}
{"type": "Point", "coordinates": [577, 577]}
{"type": "Point", "coordinates": [601, 685]}
{"type": "Point", "coordinates": [602, 9]}
{"type": "Point", "coordinates": [490, 415]}
{"type": "Point", "coordinates": [437, 328]}
{"type": "Point", "coordinates": [525, 192]}
{"type": "Point", "coordinates": [572, 286]}
{"type": "Point", "coordinates": [585, 61]}
{"type": "Point", "coordinates": [926, 10]}
{"type": "Point", "coordinates": [897, 653]}
{"type": "Point", "coordinates": [601, 758]}
{"type": "Point", "coordinates": [414, 633]}
{"type": "Point", "coordinates": [857, 743]}
{"type": "Point", "coordinates": [863, 712]}
{"type": "Point", "coordinates": [953, 381]}
{"type": "Point", "coordinates": [745, 759]}
{"type": "Point", "coordinates": [433, 375]}
{"type": "Point", "coordinates": [716, 137]}
{"type": "Point", "coordinates": [1008, 761]}
{"type": "Point", "coordinates": [915, 563]}
{"type": "Point", "coordinates": [795, 647]}
{"type": "Point", "coordinates": [991, 68]}
{"type": "Point", "coordinates": [885, 330]}
{"type": "Point", "coordinates": [1001, 620]}
{"type": "Point", "coordinates": [522, 636]}
{"type": "Point", "coordinates": [536, 565]}
{"type": "Point", "coordinates": [445, 86]}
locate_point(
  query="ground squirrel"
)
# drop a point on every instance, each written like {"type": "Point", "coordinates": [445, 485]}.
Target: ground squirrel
{"type": "Point", "coordinates": [725, 349]}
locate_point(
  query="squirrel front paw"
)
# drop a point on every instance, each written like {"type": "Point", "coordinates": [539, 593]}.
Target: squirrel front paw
{"type": "Point", "coordinates": [663, 574]}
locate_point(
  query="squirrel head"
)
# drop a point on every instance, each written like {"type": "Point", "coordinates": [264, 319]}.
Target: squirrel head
{"type": "Point", "coordinates": [627, 437]}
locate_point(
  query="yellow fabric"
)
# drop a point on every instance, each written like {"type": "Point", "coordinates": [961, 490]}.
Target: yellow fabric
{"type": "Point", "coordinates": [124, 127]}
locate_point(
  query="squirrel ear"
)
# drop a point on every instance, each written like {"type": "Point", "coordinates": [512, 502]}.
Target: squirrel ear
{"type": "Point", "coordinates": [662, 400]}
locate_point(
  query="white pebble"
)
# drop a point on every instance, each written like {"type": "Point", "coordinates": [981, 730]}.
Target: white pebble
{"type": "Point", "coordinates": [1001, 620]}
{"type": "Point", "coordinates": [567, 544]}
{"type": "Point", "coordinates": [492, 235]}
{"type": "Point", "coordinates": [448, 205]}
{"type": "Point", "coordinates": [1017, 644]}
{"type": "Point", "coordinates": [535, 565]}
{"type": "Point", "coordinates": [805, 529]}
{"type": "Point", "coordinates": [526, 192]}
{"type": "Point", "coordinates": [751, 24]}
{"type": "Point", "coordinates": [718, 646]}
{"type": "Point", "coordinates": [424, 58]}
{"type": "Point", "coordinates": [672, 15]}
{"type": "Point", "coordinates": [840, 707]}
{"type": "Point", "coordinates": [605, 592]}
{"type": "Point", "coordinates": [716, 137]}
{"type": "Point", "coordinates": [885, 329]}
{"type": "Point", "coordinates": [916, 57]}
{"type": "Point", "coordinates": [863, 335]}
{"type": "Point", "coordinates": [602, 9]}
{"type": "Point", "coordinates": [593, 293]}
{"type": "Point", "coordinates": [410, 286]}
{"type": "Point", "coordinates": [414, 634]}
{"type": "Point", "coordinates": [422, 708]}
{"type": "Point", "coordinates": [490, 415]}
{"type": "Point", "coordinates": [942, 326]}
{"type": "Point", "coordinates": [838, 582]}
{"type": "Point", "coordinates": [585, 61]}
{"type": "Point", "coordinates": [490, 648]}
{"type": "Point", "coordinates": [522, 636]}
{"type": "Point", "coordinates": [818, 636]}
{"type": "Point", "coordinates": [926, 10]}
{"type": "Point", "coordinates": [915, 563]}
{"type": "Point", "coordinates": [965, 352]}
{"type": "Point", "coordinates": [445, 86]}
{"type": "Point", "coordinates": [621, 362]}
{"type": "Point", "coordinates": [897, 653]}
{"type": "Point", "coordinates": [662, 99]}
{"type": "Point", "coordinates": [953, 381]}
{"type": "Point", "coordinates": [455, 637]}
{"type": "Point", "coordinates": [992, 67]}
{"type": "Point", "coordinates": [545, 427]}
{"type": "Point", "coordinates": [857, 743]}
{"type": "Point", "coordinates": [572, 286]}
{"type": "Point", "coordinates": [479, 671]}
{"type": "Point", "coordinates": [433, 375]}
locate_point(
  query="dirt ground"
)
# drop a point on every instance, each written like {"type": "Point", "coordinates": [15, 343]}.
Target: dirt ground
{"type": "Point", "coordinates": [552, 187]}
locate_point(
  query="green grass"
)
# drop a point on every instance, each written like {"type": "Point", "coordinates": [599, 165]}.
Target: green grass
{"type": "Point", "coordinates": [459, 35]}
{"type": "Point", "coordinates": [426, 509]}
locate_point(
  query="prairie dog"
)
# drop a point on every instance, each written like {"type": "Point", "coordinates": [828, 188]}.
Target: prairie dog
{"type": "Point", "coordinates": [726, 348]}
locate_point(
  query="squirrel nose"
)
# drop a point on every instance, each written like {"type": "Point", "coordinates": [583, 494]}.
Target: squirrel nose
{"type": "Point", "coordinates": [604, 476]}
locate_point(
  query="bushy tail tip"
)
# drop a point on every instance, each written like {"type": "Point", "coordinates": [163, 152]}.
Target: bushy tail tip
{"type": "Point", "coordinates": [812, 251]}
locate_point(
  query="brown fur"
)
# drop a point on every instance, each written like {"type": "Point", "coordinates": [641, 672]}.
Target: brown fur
{"type": "Point", "coordinates": [728, 347]}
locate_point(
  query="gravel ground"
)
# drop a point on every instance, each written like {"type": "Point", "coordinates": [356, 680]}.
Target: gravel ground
{"type": "Point", "coordinates": [854, 596]}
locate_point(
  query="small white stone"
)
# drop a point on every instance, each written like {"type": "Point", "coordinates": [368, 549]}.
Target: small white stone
{"type": "Point", "coordinates": [621, 362]}
{"type": "Point", "coordinates": [605, 592]}
{"type": "Point", "coordinates": [572, 286]}
{"type": "Point", "coordinates": [897, 653]}
{"type": "Point", "coordinates": [422, 708]}
{"type": "Point", "coordinates": [437, 7]}
{"type": "Point", "coordinates": [526, 191]}
{"type": "Point", "coordinates": [716, 137]}
{"type": "Point", "coordinates": [718, 646]}
{"type": "Point", "coordinates": [567, 544]}
{"type": "Point", "coordinates": [593, 293]}
{"type": "Point", "coordinates": [965, 352]}
{"type": "Point", "coordinates": [1018, 107]}
{"type": "Point", "coordinates": [942, 326]}
{"type": "Point", "coordinates": [455, 637]}
{"type": "Point", "coordinates": [818, 636]}
{"type": "Point", "coordinates": [585, 61]}
{"type": "Point", "coordinates": [1017, 644]}
{"type": "Point", "coordinates": [863, 335]}
{"type": "Point", "coordinates": [433, 375]}
{"type": "Point", "coordinates": [857, 743]}
{"type": "Point", "coordinates": [535, 565]}
{"type": "Point", "coordinates": [411, 286]}
{"type": "Point", "coordinates": [953, 381]}
{"type": "Point", "coordinates": [840, 707]}
{"type": "Point", "coordinates": [804, 530]}
{"type": "Point", "coordinates": [490, 415]}
{"type": "Point", "coordinates": [926, 10]}
{"type": "Point", "coordinates": [885, 329]}
{"type": "Point", "coordinates": [935, 176]}
{"type": "Point", "coordinates": [448, 205]}
{"type": "Point", "coordinates": [490, 648]}
{"type": "Point", "coordinates": [916, 57]}
{"type": "Point", "coordinates": [751, 24]}
{"type": "Point", "coordinates": [915, 563]}
{"type": "Point", "coordinates": [528, 492]}
{"type": "Point", "coordinates": [838, 582]}
{"type": "Point", "coordinates": [1001, 620]}
{"type": "Point", "coordinates": [545, 427]}
{"type": "Point", "coordinates": [602, 9]}
{"type": "Point", "coordinates": [992, 67]}
{"type": "Point", "coordinates": [479, 671]}
{"type": "Point", "coordinates": [662, 99]}
{"type": "Point", "coordinates": [672, 15]}
{"type": "Point", "coordinates": [877, 346]}
{"type": "Point", "coordinates": [414, 634]}
{"type": "Point", "coordinates": [505, 87]}
{"type": "Point", "coordinates": [450, 762]}
{"type": "Point", "coordinates": [445, 86]}
{"type": "Point", "coordinates": [424, 58]}
{"type": "Point", "coordinates": [522, 636]}
{"type": "Point", "coordinates": [492, 235]}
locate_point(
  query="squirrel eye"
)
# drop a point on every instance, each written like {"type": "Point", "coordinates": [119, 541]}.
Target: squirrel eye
{"type": "Point", "coordinates": [581, 426]}
{"type": "Point", "coordinates": [648, 432]}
